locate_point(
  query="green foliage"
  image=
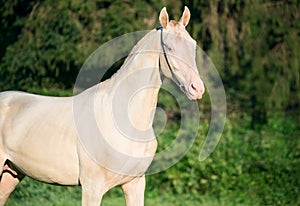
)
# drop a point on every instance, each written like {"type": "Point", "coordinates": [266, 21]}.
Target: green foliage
{"type": "Point", "coordinates": [250, 42]}
{"type": "Point", "coordinates": [247, 167]}
{"type": "Point", "coordinates": [53, 40]}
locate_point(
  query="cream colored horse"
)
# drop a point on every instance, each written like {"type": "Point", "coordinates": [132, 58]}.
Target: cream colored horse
{"type": "Point", "coordinates": [39, 139]}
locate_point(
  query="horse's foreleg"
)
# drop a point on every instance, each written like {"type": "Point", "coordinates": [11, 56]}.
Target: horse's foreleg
{"type": "Point", "coordinates": [8, 181]}
{"type": "Point", "coordinates": [92, 180]}
{"type": "Point", "coordinates": [134, 191]}
{"type": "Point", "coordinates": [92, 190]}
{"type": "Point", "coordinates": [91, 196]}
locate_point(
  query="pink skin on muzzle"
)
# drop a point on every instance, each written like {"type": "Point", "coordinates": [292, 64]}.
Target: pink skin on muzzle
{"type": "Point", "coordinates": [195, 88]}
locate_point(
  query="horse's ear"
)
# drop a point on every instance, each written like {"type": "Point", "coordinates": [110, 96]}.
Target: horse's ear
{"type": "Point", "coordinates": [164, 17]}
{"type": "Point", "coordinates": [185, 16]}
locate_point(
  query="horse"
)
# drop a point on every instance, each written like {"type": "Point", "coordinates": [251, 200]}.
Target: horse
{"type": "Point", "coordinates": [39, 138]}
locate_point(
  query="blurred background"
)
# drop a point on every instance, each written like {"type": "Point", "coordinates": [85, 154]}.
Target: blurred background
{"type": "Point", "coordinates": [254, 45]}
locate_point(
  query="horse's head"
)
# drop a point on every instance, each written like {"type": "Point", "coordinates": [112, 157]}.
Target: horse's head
{"type": "Point", "coordinates": [179, 54]}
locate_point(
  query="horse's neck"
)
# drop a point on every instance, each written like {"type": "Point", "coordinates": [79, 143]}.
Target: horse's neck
{"type": "Point", "coordinates": [134, 89]}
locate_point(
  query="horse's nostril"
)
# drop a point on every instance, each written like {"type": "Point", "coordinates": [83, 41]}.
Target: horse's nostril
{"type": "Point", "coordinates": [194, 88]}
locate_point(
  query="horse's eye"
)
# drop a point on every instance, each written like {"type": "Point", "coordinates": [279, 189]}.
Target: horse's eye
{"type": "Point", "coordinates": [169, 48]}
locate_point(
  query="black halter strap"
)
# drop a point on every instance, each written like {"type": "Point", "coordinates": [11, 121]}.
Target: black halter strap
{"type": "Point", "coordinates": [163, 45]}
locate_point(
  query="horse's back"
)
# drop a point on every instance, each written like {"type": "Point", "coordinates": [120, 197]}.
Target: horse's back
{"type": "Point", "coordinates": [39, 137]}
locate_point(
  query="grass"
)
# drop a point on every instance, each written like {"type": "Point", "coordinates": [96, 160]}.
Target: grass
{"type": "Point", "coordinates": [70, 196]}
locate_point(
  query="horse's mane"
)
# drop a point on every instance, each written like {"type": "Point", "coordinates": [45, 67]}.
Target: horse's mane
{"type": "Point", "coordinates": [136, 48]}
{"type": "Point", "coordinates": [132, 53]}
